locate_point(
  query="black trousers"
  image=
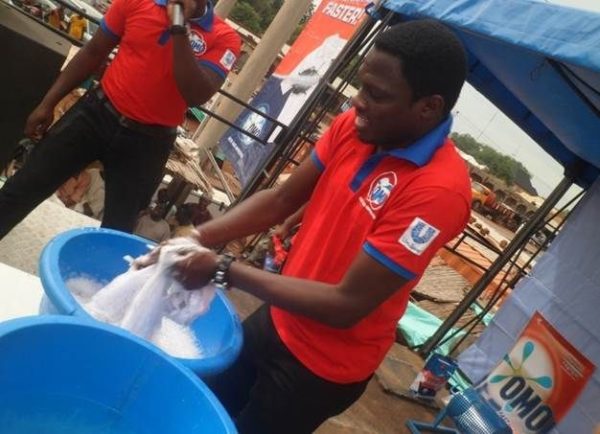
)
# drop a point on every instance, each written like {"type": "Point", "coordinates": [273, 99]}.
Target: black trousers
{"type": "Point", "coordinates": [133, 165]}
{"type": "Point", "coordinates": [268, 391]}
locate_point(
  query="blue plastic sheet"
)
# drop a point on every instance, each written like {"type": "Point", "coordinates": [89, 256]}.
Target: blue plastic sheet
{"type": "Point", "coordinates": [417, 325]}
{"type": "Point", "coordinates": [537, 62]}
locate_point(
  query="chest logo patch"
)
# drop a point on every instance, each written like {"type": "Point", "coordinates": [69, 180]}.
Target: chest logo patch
{"type": "Point", "coordinates": [418, 236]}
{"type": "Point", "coordinates": [197, 42]}
{"type": "Point", "coordinates": [381, 189]}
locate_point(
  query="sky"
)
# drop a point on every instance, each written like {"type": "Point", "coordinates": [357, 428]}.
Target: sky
{"type": "Point", "coordinates": [475, 115]}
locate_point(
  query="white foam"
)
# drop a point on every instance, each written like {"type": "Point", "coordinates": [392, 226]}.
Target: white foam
{"type": "Point", "coordinates": [177, 340]}
{"type": "Point", "coordinates": [83, 288]}
{"type": "Point", "coordinates": [109, 305]}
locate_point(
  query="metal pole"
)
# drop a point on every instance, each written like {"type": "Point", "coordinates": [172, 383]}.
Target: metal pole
{"type": "Point", "coordinates": [520, 238]}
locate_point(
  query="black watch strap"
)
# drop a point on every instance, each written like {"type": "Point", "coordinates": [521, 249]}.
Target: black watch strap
{"type": "Point", "coordinates": [221, 277]}
{"type": "Point", "coordinates": [178, 30]}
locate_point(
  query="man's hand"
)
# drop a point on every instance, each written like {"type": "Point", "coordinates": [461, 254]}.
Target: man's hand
{"type": "Point", "coordinates": [152, 256]}
{"type": "Point", "coordinates": [281, 231]}
{"type": "Point", "coordinates": [196, 270]}
{"type": "Point", "coordinates": [39, 121]}
{"type": "Point", "coordinates": [189, 9]}
{"type": "Point", "coordinates": [148, 259]}
{"type": "Point", "coordinates": [69, 203]}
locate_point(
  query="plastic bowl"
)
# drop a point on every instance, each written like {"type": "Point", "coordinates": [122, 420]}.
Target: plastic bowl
{"type": "Point", "coordinates": [67, 375]}
{"type": "Point", "coordinates": [98, 254]}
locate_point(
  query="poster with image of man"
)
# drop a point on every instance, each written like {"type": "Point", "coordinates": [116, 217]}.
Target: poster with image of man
{"type": "Point", "coordinates": [292, 83]}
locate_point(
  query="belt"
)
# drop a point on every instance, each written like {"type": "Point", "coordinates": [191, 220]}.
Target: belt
{"type": "Point", "coordinates": [148, 129]}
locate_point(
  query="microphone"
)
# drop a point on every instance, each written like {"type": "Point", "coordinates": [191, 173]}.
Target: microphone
{"type": "Point", "coordinates": [177, 18]}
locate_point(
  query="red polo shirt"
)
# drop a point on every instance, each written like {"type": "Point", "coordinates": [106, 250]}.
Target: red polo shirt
{"type": "Point", "coordinates": [140, 81]}
{"type": "Point", "coordinates": [399, 207]}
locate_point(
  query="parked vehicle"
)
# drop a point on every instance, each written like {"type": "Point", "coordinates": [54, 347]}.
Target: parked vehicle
{"type": "Point", "coordinates": [504, 215]}
{"type": "Point", "coordinates": [543, 237]}
{"type": "Point", "coordinates": [484, 202]}
{"type": "Point", "coordinates": [481, 196]}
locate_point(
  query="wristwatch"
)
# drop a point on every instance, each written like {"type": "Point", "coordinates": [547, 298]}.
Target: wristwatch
{"type": "Point", "coordinates": [177, 29]}
{"type": "Point", "coordinates": [220, 279]}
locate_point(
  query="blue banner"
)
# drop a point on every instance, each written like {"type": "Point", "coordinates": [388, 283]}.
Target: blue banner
{"type": "Point", "coordinates": [246, 154]}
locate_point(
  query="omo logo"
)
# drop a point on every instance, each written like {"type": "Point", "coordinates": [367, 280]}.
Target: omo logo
{"type": "Point", "coordinates": [380, 189]}
{"type": "Point", "coordinates": [197, 42]}
{"type": "Point", "coordinates": [521, 385]}
{"type": "Point", "coordinates": [254, 123]}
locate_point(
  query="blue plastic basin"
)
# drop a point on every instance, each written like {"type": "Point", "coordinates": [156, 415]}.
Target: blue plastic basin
{"type": "Point", "coordinates": [98, 253]}
{"type": "Point", "coordinates": [67, 375]}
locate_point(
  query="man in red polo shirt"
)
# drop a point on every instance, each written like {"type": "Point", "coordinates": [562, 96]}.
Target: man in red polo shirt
{"type": "Point", "coordinates": [385, 189]}
{"type": "Point", "coordinates": [129, 122]}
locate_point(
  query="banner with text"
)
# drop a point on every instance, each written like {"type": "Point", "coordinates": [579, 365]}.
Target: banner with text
{"type": "Point", "coordinates": [538, 381]}
{"type": "Point", "coordinates": [294, 80]}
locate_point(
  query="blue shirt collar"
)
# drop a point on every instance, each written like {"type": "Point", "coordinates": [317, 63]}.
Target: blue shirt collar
{"type": "Point", "coordinates": [206, 21]}
{"type": "Point", "coordinates": [421, 151]}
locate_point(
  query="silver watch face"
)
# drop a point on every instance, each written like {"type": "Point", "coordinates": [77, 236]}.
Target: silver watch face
{"type": "Point", "coordinates": [220, 277]}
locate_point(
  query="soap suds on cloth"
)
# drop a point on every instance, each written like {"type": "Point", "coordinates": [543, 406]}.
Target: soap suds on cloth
{"type": "Point", "coordinates": [150, 302]}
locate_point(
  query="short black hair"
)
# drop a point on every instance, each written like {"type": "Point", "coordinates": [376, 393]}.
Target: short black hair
{"type": "Point", "coordinates": [432, 57]}
{"type": "Point", "coordinates": [185, 213]}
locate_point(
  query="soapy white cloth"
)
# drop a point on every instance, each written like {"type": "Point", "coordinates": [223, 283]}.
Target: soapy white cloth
{"type": "Point", "coordinates": [110, 303]}
{"type": "Point", "coordinates": [139, 299]}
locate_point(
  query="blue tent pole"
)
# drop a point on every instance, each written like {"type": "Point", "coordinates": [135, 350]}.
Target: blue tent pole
{"type": "Point", "coordinates": [530, 228]}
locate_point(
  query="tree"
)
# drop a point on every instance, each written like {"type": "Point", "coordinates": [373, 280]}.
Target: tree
{"type": "Point", "coordinates": [467, 144]}
{"type": "Point", "coordinates": [256, 15]}
{"type": "Point", "coordinates": [266, 10]}
{"type": "Point", "coordinates": [246, 16]}
{"type": "Point", "coordinates": [500, 165]}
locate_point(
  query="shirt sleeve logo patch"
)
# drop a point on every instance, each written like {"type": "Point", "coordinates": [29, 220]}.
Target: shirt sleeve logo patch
{"type": "Point", "coordinates": [418, 236]}
{"type": "Point", "coordinates": [197, 42]}
{"type": "Point", "coordinates": [228, 59]}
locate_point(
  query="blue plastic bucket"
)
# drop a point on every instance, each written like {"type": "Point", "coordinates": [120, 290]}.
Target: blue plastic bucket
{"type": "Point", "coordinates": [98, 254]}
{"type": "Point", "coordinates": [66, 375]}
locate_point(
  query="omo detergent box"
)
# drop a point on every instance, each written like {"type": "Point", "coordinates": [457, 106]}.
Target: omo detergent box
{"type": "Point", "coordinates": [538, 381]}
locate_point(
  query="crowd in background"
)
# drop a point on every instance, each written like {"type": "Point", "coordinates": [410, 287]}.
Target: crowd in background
{"type": "Point", "coordinates": [66, 19]}
{"type": "Point", "coordinates": [163, 220]}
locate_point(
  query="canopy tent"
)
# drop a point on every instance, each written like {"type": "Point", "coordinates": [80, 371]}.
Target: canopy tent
{"type": "Point", "coordinates": [537, 62]}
